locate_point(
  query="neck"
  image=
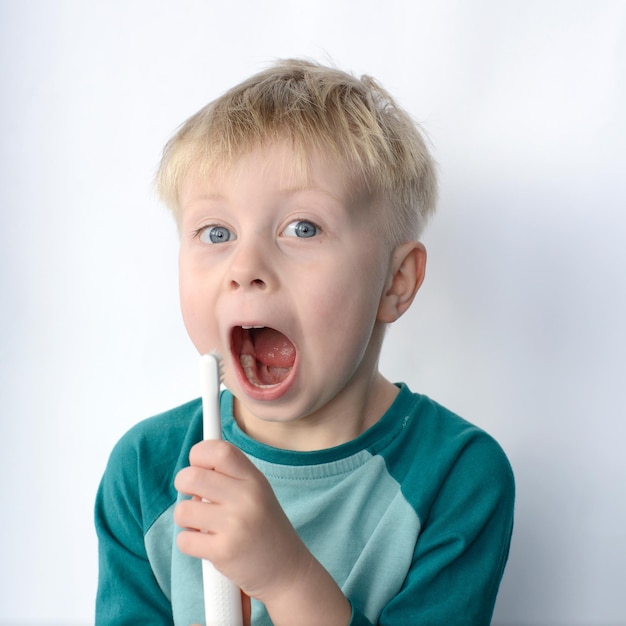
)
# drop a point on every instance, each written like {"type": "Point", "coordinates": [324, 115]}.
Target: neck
{"type": "Point", "coordinates": [352, 412]}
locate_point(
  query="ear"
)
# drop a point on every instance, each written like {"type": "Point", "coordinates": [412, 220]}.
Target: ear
{"type": "Point", "coordinates": [406, 274]}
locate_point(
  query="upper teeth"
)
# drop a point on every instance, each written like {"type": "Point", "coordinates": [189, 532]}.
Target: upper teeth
{"type": "Point", "coordinates": [249, 327]}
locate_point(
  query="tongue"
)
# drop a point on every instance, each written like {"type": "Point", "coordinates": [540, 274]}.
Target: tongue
{"type": "Point", "coordinates": [266, 356]}
{"type": "Point", "coordinates": [272, 348]}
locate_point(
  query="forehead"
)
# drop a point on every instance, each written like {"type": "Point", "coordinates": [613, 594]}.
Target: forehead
{"type": "Point", "coordinates": [277, 166]}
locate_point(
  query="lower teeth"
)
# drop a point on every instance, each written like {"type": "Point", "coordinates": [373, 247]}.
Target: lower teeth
{"type": "Point", "coordinates": [250, 368]}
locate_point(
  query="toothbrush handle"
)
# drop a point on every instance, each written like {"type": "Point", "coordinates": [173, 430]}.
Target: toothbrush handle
{"type": "Point", "coordinates": [222, 598]}
{"type": "Point", "coordinates": [210, 387]}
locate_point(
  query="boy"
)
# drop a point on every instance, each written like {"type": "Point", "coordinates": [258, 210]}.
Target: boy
{"type": "Point", "coordinates": [336, 496]}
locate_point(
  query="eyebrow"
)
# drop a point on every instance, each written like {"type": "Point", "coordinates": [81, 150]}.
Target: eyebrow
{"type": "Point", "coordinates": [283, 191]}
{"type": "Point", "coordinates": [292, 191]}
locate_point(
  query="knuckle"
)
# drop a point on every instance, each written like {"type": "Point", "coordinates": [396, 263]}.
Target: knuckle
{"type": "Point", "coordinates": [211, 453]}
{"type": "Point", "coordinates": [182, 541]}
{"type": "Point", "coordinates": [181, 478]}
{"type": "Point", "coordinates": [181, 513]}
{"type": "Point", "coordinates": [223, 451]}
{"type": "Point", "coordinates": [186, 479]}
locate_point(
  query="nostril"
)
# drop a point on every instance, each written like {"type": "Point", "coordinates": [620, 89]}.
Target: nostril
{"type": "Point", "coordinates": [255, 282]}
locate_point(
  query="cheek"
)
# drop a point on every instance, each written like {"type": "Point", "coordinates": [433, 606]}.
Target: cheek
{"type": "Point", "coordinates": [192, 305]}
{"type": "Point", "coordinates": [189, 316]}
{"type": "Point", "coordinates": [347, 301]}
{"type": "Point", "coordinates": [356, 285]}
{"type": "Point", "coordinates": [186, 295]}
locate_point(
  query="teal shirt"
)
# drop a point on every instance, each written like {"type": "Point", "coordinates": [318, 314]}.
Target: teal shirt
{"type": "Point", "coordinates": [413, 518]}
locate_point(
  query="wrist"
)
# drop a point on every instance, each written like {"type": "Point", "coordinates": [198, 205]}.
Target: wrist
{"type": "Point", "coordinates": [310, 598]}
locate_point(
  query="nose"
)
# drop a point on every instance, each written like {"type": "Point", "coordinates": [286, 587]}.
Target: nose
{"type": "Point", "coordinates": [251, 266]}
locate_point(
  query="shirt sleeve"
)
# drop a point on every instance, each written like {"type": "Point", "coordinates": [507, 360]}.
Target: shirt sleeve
{"type": "Point", "coordinates": [463, 547]}
{"type": "Point", "coordinates": [358, 619]}
{"type": "Point", "coordinates": [128, 592]}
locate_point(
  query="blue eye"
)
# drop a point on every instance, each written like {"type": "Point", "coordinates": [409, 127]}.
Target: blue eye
{"type": "Point", "coordinates": [216, 234]}
{"type": "Point", "coordinates": [302, 229]}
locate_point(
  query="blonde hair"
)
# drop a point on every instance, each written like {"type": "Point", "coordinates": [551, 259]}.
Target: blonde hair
{"type": "Point", "coordinates": [320, 109]}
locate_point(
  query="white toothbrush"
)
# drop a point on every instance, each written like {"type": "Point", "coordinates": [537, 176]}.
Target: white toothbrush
{"type": "Point", "coordinates": [222, 599]}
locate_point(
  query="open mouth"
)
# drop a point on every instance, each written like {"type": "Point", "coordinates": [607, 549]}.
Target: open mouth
{"type": "Point", "coordinates": [265, 354]}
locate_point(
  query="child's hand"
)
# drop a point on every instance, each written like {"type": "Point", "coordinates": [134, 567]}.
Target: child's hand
{"type": "Point", "coordinates": [244, 532]}
{"type": "Point", "coordinates": [242, 528]}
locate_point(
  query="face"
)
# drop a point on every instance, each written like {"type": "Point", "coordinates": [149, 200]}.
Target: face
{"type": "Point", "coordinates": [283, 278]}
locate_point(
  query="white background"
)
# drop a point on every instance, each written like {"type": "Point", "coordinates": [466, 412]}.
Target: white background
{"type": "Point", "coordinates": [519, 326]}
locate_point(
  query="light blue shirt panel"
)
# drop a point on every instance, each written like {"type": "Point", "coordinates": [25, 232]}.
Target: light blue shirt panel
{"type": "Point", "coordinates": [350, 513]}
{"type": "Point", "coordinates": [353, 517]}
{"type": "Point", "coordinates": [179, 575]}
{"type": "Point", "coordinates": [158, 541]}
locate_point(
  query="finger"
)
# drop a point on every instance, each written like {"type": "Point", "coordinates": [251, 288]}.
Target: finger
{"type": "Point", "coordinates": [196, 515]}
{"type": "Point", "coordinates": [194, 544]}
{"type": "Point", "coordinates": [203, 483]}
{"type": "Point", "coordinates": [222, 457]}
{"type": "Point", "coordinates": [206, 517]}
{"type": "Point", "coordinates": [203, 545]}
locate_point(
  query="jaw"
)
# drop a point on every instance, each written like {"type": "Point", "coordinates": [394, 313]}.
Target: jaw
{"type": "Point", "coordinates": [264, 359]}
